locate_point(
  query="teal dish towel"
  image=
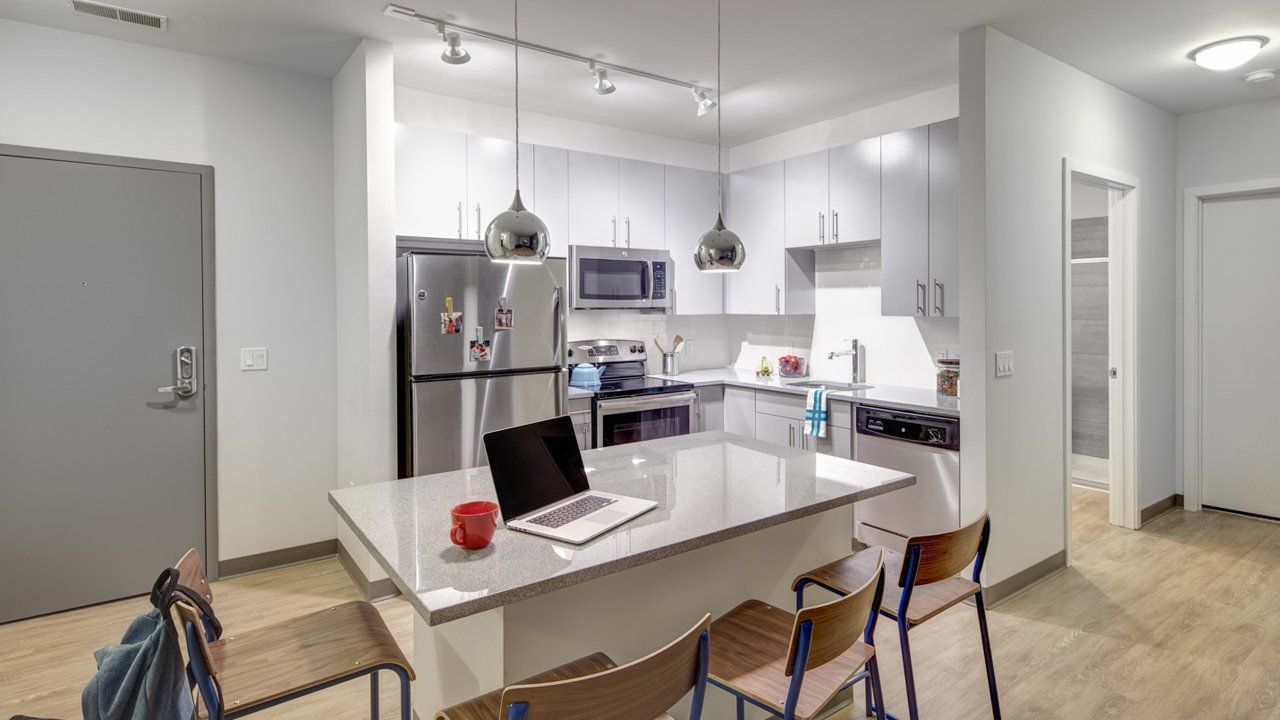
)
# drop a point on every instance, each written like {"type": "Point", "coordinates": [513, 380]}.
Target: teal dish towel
{"type": "Point", "coordinates": [815, 412]}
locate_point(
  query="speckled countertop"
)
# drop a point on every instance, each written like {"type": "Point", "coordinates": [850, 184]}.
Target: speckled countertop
{"type": "Point", "coordinates": [710, 487]}
{"type": "Point", "coordinates": [888, 396]}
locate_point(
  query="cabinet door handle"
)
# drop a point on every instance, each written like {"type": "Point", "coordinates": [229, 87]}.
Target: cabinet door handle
{"type": "Point", "coordinates": [822, 226]}
{"type": "Point", "coordinates": [615, 230]}
{"type": "Point", "coordinates": [777, 300]}
{"type": "Point", "coordinates": [478, 231]}
{"type": "Point", "coordinates": [459, 219]}
{"type": "Point", "coordinates": [628, 222]}
{"type": "Point", "coordinates": [835, 226]}
{"type": "Point", "coordinates": [791, 435]}
{"type": "Point", "coordinates": [939, 298]}
{"type": "Point", "coordinates": [921, 298]}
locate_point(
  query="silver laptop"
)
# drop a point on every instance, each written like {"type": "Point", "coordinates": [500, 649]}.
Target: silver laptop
{"type": "Point", "coordinates": [542, 485]}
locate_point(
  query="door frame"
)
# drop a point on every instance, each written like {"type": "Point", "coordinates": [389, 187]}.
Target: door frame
{"type": "Point", "coordinates": [1191, 309]}
{"type": "Point", "coordinates": [208, 341]}
{"type": "Point", "coordinates": [1123, 491]}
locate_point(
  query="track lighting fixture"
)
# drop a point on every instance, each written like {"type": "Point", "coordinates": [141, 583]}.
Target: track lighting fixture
{"type": "Point", "coordinates": [602, 85]}
{"type": "Point", "coordinates": [703, 99]}
{"type": "Point", "coordinates": [454, 53]}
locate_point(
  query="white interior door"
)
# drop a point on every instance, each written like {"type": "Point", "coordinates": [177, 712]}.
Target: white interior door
{"type": "Point", "coordinates": [1241, 342]}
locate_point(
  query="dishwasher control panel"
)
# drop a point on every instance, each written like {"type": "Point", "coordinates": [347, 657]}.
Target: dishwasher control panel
{"type": "Point", "coordinates": [940, 432]}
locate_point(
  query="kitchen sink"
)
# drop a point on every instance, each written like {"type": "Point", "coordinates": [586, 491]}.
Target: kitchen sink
{"type": "Point", "coordinates": [830, 385]}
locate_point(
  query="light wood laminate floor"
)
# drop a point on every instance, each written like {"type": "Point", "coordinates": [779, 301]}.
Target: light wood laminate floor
{"type": "Point", "coordinates": [1176, 621]}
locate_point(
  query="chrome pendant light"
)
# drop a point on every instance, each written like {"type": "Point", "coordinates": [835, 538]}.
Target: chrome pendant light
{"type": "Point", "coordinates": [516, 235]}
{"type": "Point", "coordinates": [719, 249]}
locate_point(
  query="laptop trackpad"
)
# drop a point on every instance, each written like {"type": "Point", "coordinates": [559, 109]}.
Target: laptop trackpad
{"type": "Point", "coordinates": [605, 516]}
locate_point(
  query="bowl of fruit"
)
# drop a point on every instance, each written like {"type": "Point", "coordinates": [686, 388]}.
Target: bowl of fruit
{"type": "Point", "coordinates": [792, 366]}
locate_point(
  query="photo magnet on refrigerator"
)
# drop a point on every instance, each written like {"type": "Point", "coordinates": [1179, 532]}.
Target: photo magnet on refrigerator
{"type": "Point", "coordinates": [450, 321]}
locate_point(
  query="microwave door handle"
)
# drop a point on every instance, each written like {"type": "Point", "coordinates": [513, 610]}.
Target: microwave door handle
{"type": "Point", "coordinates": [646, 284]}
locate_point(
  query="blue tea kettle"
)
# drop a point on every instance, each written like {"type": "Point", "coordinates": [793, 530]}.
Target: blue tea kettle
{"type": "Point", "coordinates": [585, 375]}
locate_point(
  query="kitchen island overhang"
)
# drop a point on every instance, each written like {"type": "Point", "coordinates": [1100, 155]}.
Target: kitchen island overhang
{"type": "Point", "coordinates": [736, 518]}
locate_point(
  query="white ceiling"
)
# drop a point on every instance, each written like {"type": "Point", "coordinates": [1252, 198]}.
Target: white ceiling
{"type": "Point", "coordinates": [785, 64]}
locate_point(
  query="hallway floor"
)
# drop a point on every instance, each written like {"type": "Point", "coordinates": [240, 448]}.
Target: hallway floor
{"type": "Point", "coordinates": [1175, 621]}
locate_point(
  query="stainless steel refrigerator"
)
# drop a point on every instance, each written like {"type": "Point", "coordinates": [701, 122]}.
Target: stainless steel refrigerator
{"type": "Point", "coordinates": [482, 348]}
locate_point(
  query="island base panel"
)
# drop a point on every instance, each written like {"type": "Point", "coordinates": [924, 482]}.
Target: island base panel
{"type": "Point", "coordinates": [626, 615]}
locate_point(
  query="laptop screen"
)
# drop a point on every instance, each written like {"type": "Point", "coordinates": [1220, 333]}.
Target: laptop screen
{"type": "Point", "coordinates": [535, 465]}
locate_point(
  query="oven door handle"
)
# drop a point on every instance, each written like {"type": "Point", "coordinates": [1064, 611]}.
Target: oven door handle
{"type": "Point", "coordinates": [658, 402]}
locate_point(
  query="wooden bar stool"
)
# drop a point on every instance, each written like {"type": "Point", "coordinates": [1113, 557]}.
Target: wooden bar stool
{"type": "Point", "coordinates": [592, 687]}
{"type": "Point", "coordinates": [792, 665]}
{"type": "Point", "coordinates": [258, 669]}
{"type": "Point", "coordinates": [927, 585]}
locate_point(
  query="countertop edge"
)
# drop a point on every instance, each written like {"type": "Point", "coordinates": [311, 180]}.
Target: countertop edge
{"type": "Point", "coordinates": [559, 582]}
{"type": "Point", "coordinates": [838, 395]}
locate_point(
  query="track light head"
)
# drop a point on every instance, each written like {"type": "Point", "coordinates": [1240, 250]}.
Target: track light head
{"type": "Point", "coordinates": [704, 101]}
{"type": "Point", "coordinates": [602, 85]}
{"type": "Point", "coordinates": [454, 53]}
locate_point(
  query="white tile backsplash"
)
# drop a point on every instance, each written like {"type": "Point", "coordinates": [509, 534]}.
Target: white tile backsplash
{"type": "Point", "coordinates": [897, 350]}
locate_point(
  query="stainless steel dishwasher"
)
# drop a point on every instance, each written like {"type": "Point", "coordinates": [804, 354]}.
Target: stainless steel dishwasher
{"type": "Point", "coordinates": [927, 446]}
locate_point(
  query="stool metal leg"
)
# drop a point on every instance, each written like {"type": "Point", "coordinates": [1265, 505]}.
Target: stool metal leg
{"type": "Point", "coordinates": [986, 652]}
{"type": "Point", "coordinates": [907, 671]}
{"type": "Point", "coordinates": [742, 709]}
{"type": "Point", "coordinates": [406, 711]}
{"type": "Point", "coordinates": [873, 686]}
{"type": "Point", "coordinates": [871, 704]}
{"type": "Point", "coordinates": [373, 694]}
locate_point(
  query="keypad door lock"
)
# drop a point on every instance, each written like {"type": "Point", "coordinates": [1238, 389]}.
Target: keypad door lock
{"type": "Point", "coordinates": [186, 382]}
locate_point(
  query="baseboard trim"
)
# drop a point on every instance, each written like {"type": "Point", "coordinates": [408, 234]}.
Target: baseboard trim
{"type": "Point", "coordinates": [277, 558]}
{"type": "Point", "coordinates": [371, 591]}
{"type": "Point", "coordinates": [1025, 580]}
{"type": "Point", "coordinates": [1160, 507]}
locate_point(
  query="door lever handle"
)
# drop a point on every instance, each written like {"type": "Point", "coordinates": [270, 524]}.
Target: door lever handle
{"type": "Point", "coordinates": [183, 391]}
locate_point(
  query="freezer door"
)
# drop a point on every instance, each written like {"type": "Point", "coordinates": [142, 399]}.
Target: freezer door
{"type": "Point", "coordinates": [450, 417]}
{"type": "Point", "coordinates": [476, 287]}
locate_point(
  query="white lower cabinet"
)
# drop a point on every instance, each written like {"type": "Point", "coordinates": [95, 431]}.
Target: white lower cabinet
{"type": "Point", "coordinates": [740, 411]}
{"type": "Point", "coordinates": [580, 414]}
{"type": "Point", "coordinates": [780, 419]}
{"type": "Point", "coordinates": [778, 430]}
{"type": "Point", "coordinates": [710, 408]}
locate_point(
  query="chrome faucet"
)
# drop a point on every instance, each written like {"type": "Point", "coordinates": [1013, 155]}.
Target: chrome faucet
{"type": "Point", "coordinates": [853, 353]}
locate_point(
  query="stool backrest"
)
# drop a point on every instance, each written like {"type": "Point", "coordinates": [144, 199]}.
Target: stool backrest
{"type": "Point", "coordinates": [199, 658]}
{"type": "Point", "coordinates": [640, 690]}
{"type": "Point", "coordinates": [835, 626]}
{"type": "Point", "coordinates": [191, 574]}
{"type": "Point", "coordinates": [944, 555]}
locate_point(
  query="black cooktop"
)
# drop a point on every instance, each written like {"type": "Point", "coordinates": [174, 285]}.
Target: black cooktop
{"type": "Point", "coordinates": [626, 387]}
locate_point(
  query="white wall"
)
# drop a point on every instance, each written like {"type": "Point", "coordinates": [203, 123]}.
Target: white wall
{"type": "Point", "coordinates": [1032, 111]}
{"type": "Point", "coordinates": [1226, 145]}
{"type": "Point", "coordinates": [268, 135]}
{"type": "Point", "coordinates": [897, 350]}
{"type": "Point", "coordinates": [365, 251]}
{"type": "Point", "coordinates": [419, 107]}
{"type": "Point", "coordinates": [912, 111]}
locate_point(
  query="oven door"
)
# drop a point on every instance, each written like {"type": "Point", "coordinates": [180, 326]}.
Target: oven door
{"type": "Point", "coordinates": [628, 420]}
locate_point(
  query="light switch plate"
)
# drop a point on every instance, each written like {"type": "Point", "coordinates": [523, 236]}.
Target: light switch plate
{"type": "Point", "coordinates": [253, 359]}
{"type": "Point", "coordinates": [1004, 363]}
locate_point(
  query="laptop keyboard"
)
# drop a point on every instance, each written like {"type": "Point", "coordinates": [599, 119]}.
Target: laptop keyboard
{"type": "Point", "coordinates": [566, 514]}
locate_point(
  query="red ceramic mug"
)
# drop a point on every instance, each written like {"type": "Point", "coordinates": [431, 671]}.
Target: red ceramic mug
{"type": "Point", "coordinates": [474, 524]}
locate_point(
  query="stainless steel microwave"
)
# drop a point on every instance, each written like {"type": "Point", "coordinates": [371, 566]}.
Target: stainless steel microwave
{"type": "Point", "coordinates": [610, 278]}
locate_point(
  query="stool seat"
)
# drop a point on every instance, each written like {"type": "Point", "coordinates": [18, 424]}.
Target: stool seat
{"type": "Point", "coordinates": [259, 666]}
{"type": "Point", "coordinates": [852, 572]}
{"type": "Point", "coordinates": [749, 653]}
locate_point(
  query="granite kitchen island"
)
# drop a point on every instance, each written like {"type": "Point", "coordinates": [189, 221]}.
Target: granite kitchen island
{"type": "Point", "coordinates": [736, 518]}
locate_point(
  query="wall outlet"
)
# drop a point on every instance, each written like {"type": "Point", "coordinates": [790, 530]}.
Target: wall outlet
{"type": "Point", "coordinates": [253, 359]}
{"type": "Point", "coordinates": [1004, 363]}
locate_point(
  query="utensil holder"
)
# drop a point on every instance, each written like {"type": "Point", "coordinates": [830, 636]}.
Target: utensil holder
{"type": "Point", "coordinates": [670, 363]}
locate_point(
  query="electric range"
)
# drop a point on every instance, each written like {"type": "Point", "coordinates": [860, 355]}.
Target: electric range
{"type": "Point", "coordinates": [626, 405]}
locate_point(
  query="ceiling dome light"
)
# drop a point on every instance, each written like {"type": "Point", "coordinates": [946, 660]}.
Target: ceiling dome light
{"type": "Point", "coordinates": [454, 53]}
{"type": "Point", "coordinates": [704, 101]}
{"type": "Point", "coordinates": [1228, 54]}
{"type": "Point", "coordinates": [602, 85]}
{"type": "Point", "coordinates": [1260, 76]}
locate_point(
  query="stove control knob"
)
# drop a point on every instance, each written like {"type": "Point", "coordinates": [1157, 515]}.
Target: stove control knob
{"type": "Point", "coordinates": [633, 348]}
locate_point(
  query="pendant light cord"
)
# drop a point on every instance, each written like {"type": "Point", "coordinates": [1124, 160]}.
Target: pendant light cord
{"type": "Point", "coordinates": [516, 5]}
{"type": "Point", "coordinates": [719, 110]}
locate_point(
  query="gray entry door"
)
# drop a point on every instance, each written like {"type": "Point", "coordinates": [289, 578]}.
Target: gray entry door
{"type": "Point", "coordinates": [102, 477]}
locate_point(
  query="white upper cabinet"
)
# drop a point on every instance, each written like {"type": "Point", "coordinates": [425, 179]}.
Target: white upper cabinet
{"type": "Point", "coordinates": [551, 199]}
{"type": "Point", "coordinates": [755, 212]}
{"type": "Point", "coordinates": [431, 191]}
{"type": "Point", "coordinates": [855, 192]}
{"type": "Point", "coordinates": [944, 218]}
{"type": "Point", "coordinates": [593, 199]}
{"type": "Point", "coordinates": [491, 169]}
{"type": "Point", "coordinates": [690, 212]}
{"type": "Point", "coordinates": [807, 210]}
{"type": "Point", "coordinates": [904, 247]}
{"type": "Point", "coordinates": [640, 204]}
